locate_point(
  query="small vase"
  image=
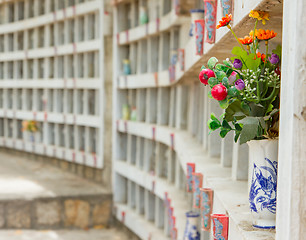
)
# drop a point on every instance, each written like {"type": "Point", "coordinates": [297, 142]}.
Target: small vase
{"type": "Point", "coordinates": [126, 67]}
{"type": "Point", "coordinates": [143, 17]}
{"type": "Point", "coordinates": [220, 226]}
{"type": "Point", "coordinates": [32, 138]}
{"type": "Point", "coordinates": [190, 171]}
{"type": "Point", "coordinates": [125, 112]}
{"type": "Point", "coordinates": [210, 19]}
{"type": "Point", "coordinates": [199, 34]}
{"type": "Point", "coordinates": [263, 155]}
{"type": "Point", "coordinates": [191, 229]}
{"type": "Point", "coordinates": [206, 207]}
{"type": "Point", "coordinates": [197, 181]}
{"type": "Point", "coordinates": [134, 114]}
{"type": "Point", "coordinates": [195, 14]}
{"type": "Point", "coordinates": [227, 7]}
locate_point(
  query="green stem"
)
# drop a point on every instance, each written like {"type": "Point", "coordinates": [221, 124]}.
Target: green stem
{"type": "Point", "coordinates": [229, 27]}
{"type": "Point", "coordinates": [258, 90]}
{"type": "Point", "coordinates": [254, 35]}
{"type": "Point", "coordinates": [267, 48]}
{"type": "Point", "coordinates": [271, 95]}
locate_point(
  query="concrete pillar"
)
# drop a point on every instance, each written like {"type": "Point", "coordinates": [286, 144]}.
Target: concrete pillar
{"type": "Point", "coordinates": [291, 199]}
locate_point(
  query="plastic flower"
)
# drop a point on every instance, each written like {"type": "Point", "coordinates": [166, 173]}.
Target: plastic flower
{"type": "Point", "coordinates": [246, 40]}
{"type": "Point", "coordinates": [237, 63]}
{"type": "Point", "coordinates": [225, 21]}
{"type": "Point", "coordinates": [24, 125]}
{"type": "Point", "coordinates": [262, 56]}
{"type": "Point", "coordinates": [274, 59]}
{"type": "Point", "coordinates": [232, 78]}
{"type": "Point", "coordinates": [265, 34]}
{"type": "Point", "coordinates": [205, 74]}
{"type": "Point", "coordinates": [260, 15]}
{"type": "Point", "coordinates": [219, 92]}
{"type": "Point", "coordinates": [239, 84]}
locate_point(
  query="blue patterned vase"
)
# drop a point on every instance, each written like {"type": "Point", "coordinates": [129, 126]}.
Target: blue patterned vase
{"type": "Point", "coordinates": [191, 229]}
{"type": "Point", "coordinates": [263, 155]}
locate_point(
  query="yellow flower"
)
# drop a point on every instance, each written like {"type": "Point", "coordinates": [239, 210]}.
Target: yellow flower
{"type": "Point", "coordinates": [260, 15]}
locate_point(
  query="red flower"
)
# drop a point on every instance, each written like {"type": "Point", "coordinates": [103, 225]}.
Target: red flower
{"type": "Point", "coordinates": [219, 92]}
{"type": "Point", "coordinates": [205, 74]}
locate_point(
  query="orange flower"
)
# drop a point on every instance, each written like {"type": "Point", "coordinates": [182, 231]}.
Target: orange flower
{"type": "Point", "coordinates": [260, 15]}
{"type": "Point", "coordinates": [264, 34]}
{"type": "Point", "coordinates": [246, 40]}
{"type": "Point", "coordinates": [262, 56]}
{"type": "Point", "coordinates": [225, 21]}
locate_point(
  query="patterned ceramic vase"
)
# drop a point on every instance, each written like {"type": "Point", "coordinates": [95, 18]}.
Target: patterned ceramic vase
{"type": "Point", "coordinates": [206, 207]}
{"type": "Point", "coordinates": [263, 155]}
{"type": "Point", "coordinates": [227, 7]}
{"type": "Point", "coordinates": [191, 229]}
{"type": "Point", "coordinates": [220, 226]}
{"type": "Point", "coordinates": [199, 34]}
{"type": "Point", "coordinates": [195, 14]}
{"type": "Point", "coordinates": [210, 19]}
{"type": "Point", "coordinates": [190, 171]}
{"type": "Point", "coordinates": [197, 181]}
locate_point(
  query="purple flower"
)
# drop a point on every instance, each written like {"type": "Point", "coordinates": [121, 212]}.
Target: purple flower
{"type": "Point", "coordinates": [237, 63]}
{"type": "Point", "coordinates": [239, 84]}
{"type": "Point", "coordinates": [274, 59]}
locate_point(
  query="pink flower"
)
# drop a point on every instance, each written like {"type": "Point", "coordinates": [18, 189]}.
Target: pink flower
{"type": "Point", "coordinates": [232, 77]}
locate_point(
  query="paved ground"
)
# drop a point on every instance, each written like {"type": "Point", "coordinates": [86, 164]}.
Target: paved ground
{"type": "Point", "coordinates": [23, 179]}
{"type": "Point", "coordinates": [104, 234]}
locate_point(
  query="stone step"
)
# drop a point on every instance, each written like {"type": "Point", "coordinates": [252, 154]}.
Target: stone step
{"type": "Point", "coordinates": [35, 195]}
{"type": "Point", "coordinates": [93, 234]}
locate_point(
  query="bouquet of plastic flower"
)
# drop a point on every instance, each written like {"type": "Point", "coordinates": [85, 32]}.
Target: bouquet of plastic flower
{"type": "Point", "coordinates": [247, 86]}
{"type": "Point", "coordinates": [30, 126]}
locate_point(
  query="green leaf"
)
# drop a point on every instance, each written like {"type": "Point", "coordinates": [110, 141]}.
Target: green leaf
{"type": "Point", "coordinates": [203, 67]}
{"type": "Point", "coordinates": [220, 75]}
{"type": "Point", "coordinates": [209, 95]}
{"type": "Point", "coordinates": [223, 104]}
{"type": "Point", "coordinates": [250, 61]}
{"type": "Point", "coordinates": [235, 109]}
{"type": "Point", "coordinates": [232, 91]}
{"type": "Point", "coordinates": [237, 134]}
{"type": "Point", "coordinates": [212, 62]}
{"type": "Point", "coordinates": [257, 110]}
{"type": "Point", "coordinates": [223, 132]}
{"type": "Point", "coordinates": [226, 125]}
{"type": "Point", "coordinates": [213, 125]}
{"type": "Point", "coordinates": [228, 63]}
{"type": "Point", "coordinates": [238, 127]}
{"type": "Point", "coordinates": [229, 72]}
{"type": "Point", "coordinates": [213, 117]}
{"type": "Point", "coordinates": [245, 107]}
{"type": "Point", "coordinates": [212, 82]}
{"type": "Point", "coordinates": [225, 82]}
{"type": "Point", "coordinates": [270, 108]}
{"type": "Point", "coordinates": [278, 51]}
{"type": "Point", "coordinates": [249, 130]}
{"type": "Point", "coordinates": [221, 67]}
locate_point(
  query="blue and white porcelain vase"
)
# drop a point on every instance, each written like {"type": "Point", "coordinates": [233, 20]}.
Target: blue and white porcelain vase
{"type": "Point", "coordinates": [191, 229]}
{"type": "Point", "coordinates": [263, 155]}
